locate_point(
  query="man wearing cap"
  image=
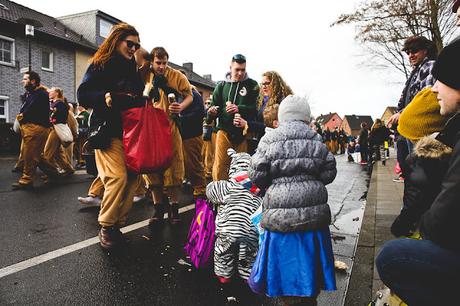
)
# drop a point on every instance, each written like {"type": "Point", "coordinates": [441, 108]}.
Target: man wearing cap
{"type": "Point", "coordinates": [427, 271]}
{"type": "Point", "coordinates": [422, 55]}
{"type": "Point", "coordinates": [235, 96]}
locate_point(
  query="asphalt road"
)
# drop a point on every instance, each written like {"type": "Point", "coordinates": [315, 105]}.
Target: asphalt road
{"type": "Point", "coordinates": [50, 256]}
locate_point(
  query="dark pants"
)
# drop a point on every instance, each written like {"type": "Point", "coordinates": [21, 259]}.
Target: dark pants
{"type": "Point", "coordinates": [364, 151]}
{"type": "Point", "coordinates": [402, 151]}
{"type": "Point", "coordinates": [420, 272]}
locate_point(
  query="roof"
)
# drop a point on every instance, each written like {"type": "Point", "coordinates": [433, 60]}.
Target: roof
{"type": "Point", "coordinates": [12, 12]}
{"type": "Point", "coordinates": [392, 109]}
{"type": "Point", "coordinates": [194, 78]}
{"type": "Point", "coordinates": [91, 13]}
{"type": "Point", "coordinates": [323, 119]}
{"type": "Point", "coordinates": [354, 121]}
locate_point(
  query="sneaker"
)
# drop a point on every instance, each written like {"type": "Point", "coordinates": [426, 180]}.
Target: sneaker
{"type": "Point", "coordinates": [363, 163]}
{"type": "Point", "coordinates": [110, 237]}
{"type": "Point", "coordinates": [90, 200]}
{"type": "Point", "coordinates": [173, 214]}
{"type": "Point", "coordinates": [21, 186]}
{"type": "Point", "coordinates": [138, 198]}
{"type": "Point", "coordinates": [384, 162]}
{"type": "Point", "coordinates": [399, 180]}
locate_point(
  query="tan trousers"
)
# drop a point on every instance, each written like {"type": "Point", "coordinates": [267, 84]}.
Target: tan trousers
{"type": "Point", "coordinates": [34, 138]}
{"type": "Point", "coordinates": [194, 167]}
{"type": "Point", "coordinates": [20, 162]}
{"type": "Point", "coordinates": [97, 188]}
{"type": "Point", "coordinates": [118, 185]}
{"type": "Point", "coordinates": [208, 154]}
{"type": "Point", "coordinates": [221, 158]}
{"type": "Point", "coordinates": [54, 154]}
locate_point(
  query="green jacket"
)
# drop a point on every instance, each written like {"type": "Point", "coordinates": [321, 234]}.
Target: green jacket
{"type": "Point", "coordinates": [244, 94]}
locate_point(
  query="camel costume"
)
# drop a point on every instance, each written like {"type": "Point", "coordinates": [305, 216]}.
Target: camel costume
{"type": "Point", "coordinates": [174, 175]}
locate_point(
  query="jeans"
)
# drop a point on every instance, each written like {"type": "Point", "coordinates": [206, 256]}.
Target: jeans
{"type": "Point", "coordinates": [402, 151]}
{"type": "Point", "coordinates": [420, 272]}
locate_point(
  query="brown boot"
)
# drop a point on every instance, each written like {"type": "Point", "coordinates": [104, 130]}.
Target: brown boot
{"type": "Point", "coordinates": [110, 237]}
{"type": "Point", "coordinates": [173, 213]}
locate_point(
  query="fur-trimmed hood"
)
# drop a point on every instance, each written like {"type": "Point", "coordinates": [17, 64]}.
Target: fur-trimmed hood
{"type": "Point", "coordinates": [429, 147]}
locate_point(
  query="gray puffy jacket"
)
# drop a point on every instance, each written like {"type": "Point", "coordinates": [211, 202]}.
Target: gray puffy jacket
{"type": "Point", "coordinates": [295, 165]}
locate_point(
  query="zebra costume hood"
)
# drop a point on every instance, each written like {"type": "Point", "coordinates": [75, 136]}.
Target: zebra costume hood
{"type": "Point", "coordinates": [238, 171]}
{"type": "Point", "coordinates": [237, 199]}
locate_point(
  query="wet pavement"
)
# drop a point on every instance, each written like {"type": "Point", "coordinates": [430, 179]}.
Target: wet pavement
{"type": "Point", "coordinates": [152, 269]}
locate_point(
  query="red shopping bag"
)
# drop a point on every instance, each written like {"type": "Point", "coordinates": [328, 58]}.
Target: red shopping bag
{"type": "Point", "coordinates": [147, 139]}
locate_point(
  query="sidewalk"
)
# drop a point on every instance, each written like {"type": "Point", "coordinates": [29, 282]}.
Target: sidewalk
{"type": "Point", "coordinates": [384, 202]}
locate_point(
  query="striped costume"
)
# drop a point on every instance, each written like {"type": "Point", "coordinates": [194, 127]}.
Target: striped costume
{"type": "Point", "coordinates": [236, 237]}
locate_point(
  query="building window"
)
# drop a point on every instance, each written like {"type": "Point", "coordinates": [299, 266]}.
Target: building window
{"type": "Point", "coordinates": [104, 28]}
{"type": "Point", "coordinates": [47, 60]}
{"type": "Point", "coordinates": [6, 51]}
{"type": "Point", "coordinates": [3, 109]}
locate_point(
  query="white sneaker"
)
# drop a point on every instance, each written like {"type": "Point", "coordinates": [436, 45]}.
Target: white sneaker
{"type": "Point", "coordinates": [138, 198]}
{"type": "Point", "coordinates": [89, 200]}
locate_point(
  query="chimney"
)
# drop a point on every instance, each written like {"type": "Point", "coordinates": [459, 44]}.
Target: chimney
{"type": "Point", "coordinates": [188, 66]}
{"type": "Point", "coordinates": [207, 77]}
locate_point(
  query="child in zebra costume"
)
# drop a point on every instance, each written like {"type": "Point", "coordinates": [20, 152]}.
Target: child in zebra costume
{"type": "Point", "coordinates": [236, 237]}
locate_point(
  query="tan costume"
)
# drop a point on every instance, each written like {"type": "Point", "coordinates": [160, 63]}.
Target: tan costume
{"type": "Point", "coordinates": [174, 175]}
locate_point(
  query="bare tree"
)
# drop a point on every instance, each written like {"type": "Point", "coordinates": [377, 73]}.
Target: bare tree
{"type": "Point", "coordinates": [383, 25]}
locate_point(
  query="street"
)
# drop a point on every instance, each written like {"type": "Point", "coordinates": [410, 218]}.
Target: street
{"type": "Point", "coordinates": [50, 252]}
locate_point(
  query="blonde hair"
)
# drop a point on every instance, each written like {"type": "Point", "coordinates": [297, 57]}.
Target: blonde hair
{"type": "Point", "coordinates": [105, 52]}
{"type": "Point", "coordinates": [270, 114]}
{"type": "Point", "coordinates": [278, 89]}
{"type": "Point", "coordinates": [59, 92]}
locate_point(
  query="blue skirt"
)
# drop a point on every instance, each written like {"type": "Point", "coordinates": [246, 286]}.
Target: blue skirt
{"type": "Point", "coordinates": [294, 264]}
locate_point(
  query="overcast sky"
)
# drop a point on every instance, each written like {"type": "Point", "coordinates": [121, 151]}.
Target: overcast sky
{"type": "Point", "coordinates": [291, 37]}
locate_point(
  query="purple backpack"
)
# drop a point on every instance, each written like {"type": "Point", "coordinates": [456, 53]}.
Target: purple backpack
{"type": "Point", "coordinates": [201, 236]}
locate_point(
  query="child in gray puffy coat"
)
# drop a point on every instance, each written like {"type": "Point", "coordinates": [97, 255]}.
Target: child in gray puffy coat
{"type": "Point", "coordinates": [295, 259]}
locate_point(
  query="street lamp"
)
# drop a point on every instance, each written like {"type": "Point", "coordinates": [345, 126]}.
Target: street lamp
{"type": "Point", "coordinates": [30, 25]}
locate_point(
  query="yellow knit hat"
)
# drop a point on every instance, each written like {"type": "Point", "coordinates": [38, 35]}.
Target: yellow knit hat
{"type": "Point", "coordinates": [421, 117]}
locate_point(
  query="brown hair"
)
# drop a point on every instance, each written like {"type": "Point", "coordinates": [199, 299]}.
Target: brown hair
{"type": "Point", "coordinates": [159, 52]}
{"type": "Point", "coordinates": [108, 47]}
{"type": "Point", "coordinates": [417, 43]}
{"type": "Point", "coordinates": [278, 88]}
{"type": "Point", "coordinates": [270, 114]}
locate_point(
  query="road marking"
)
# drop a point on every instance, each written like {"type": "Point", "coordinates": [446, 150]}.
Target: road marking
{"type": "Point", "coordinates": [28, 263]}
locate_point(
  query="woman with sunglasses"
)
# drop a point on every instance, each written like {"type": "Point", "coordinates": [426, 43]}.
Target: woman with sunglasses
{"type": "Point", "coordinates": [112, 83]}
{"type": "Point", "coordinates": [273, 90]}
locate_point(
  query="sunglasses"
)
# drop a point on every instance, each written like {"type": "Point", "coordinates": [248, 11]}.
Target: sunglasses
{"type": "Point", "coordinates": [132, 44]}
{"type": "Point", "coordinates": [412, 51]}
{"type": "Point", "coordinates": [239, 58]}
{"type": "Point", "coordinates": [265, 84]}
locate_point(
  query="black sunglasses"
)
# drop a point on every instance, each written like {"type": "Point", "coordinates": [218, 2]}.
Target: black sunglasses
{"type": "Point", "coordinates": [413, 51]}
{"type": "Point", "coordinates": [239, 58]}
{"type": "Point", "coordinates": [131, 44]}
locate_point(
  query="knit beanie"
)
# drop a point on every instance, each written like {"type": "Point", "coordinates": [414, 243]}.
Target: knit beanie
{"type": "Point", "coordinates": [294, 108]}
{"type": "Point", "coordinates": [447, 67]}
{"type": "Point", "coordinates": [421, 117]}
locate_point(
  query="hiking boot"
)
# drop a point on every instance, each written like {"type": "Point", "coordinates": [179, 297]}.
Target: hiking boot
{"type": "Point", "coordinates": [173, 213]}
{"type": "Point", "coordinates": [158, 213]}
{"type": "Point", "coordinates": [90, 200]}
{"type": "Point", "coordinates": [110, 237]}
{"type": "Point", "coordinates": [21, 186]}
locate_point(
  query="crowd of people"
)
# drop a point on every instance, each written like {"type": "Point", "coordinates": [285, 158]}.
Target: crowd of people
{"type": "Point", "coordinates": [259, 146]}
